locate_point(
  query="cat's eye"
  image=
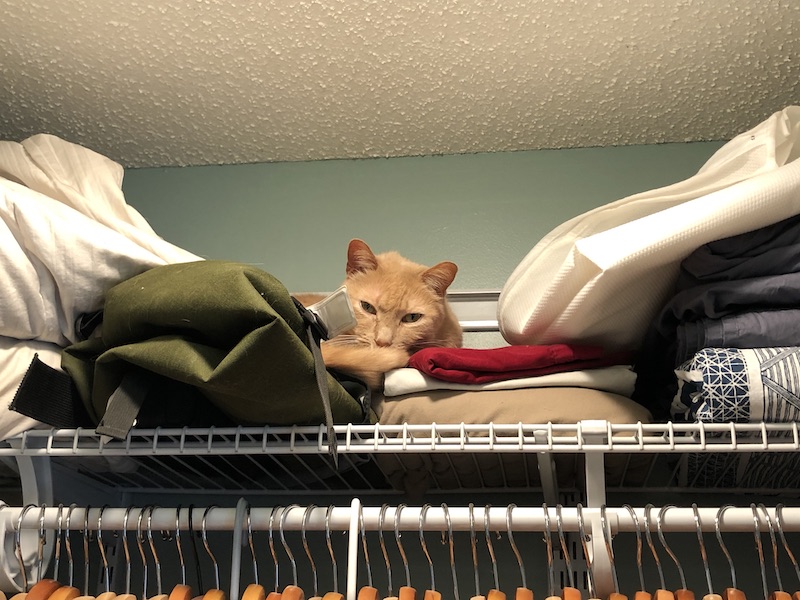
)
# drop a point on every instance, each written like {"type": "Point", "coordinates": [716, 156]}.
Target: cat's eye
{"type": "Point", "coordinates": [411, 318]}
{"type": "Point", "coordinates": [368, 308]}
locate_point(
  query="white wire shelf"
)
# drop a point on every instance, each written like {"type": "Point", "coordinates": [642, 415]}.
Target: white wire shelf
{"type": "Point", "coordinates": [581, 437]}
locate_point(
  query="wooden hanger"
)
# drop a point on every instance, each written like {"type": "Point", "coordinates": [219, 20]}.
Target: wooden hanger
{"type": "Point", "coordinates": [181, 591]}
{"type": "Point", "coordinates": [254, 591]}
{"type": "Point", "coordinates": [474, 548]}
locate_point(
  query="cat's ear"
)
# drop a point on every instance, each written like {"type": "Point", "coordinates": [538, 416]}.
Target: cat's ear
{"type": "Point", "coordinates": [360, 257]}
{"type": "Point", "coordinates": [439, 277]}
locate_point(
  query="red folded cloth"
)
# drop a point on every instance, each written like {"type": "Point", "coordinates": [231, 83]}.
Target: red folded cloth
{"type": "Point", "coordinates": [471, 366]}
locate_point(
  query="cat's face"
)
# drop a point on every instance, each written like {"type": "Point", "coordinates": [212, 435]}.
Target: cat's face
{"type": "Point", "coordinates": [397, 302]}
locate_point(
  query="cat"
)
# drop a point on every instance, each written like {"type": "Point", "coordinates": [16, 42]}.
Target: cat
{"type": "Point", "coordinates": [400, 307]}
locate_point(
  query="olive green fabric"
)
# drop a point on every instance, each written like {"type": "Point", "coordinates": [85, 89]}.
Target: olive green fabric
{"type": "Point", "coordinates": [228, 329]}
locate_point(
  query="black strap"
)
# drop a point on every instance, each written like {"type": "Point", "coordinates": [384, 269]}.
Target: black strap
{"type": "Point", "coordinates": [49, 395]}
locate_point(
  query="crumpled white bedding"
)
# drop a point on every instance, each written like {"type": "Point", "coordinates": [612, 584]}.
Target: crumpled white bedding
{"type": "Point", "coordinates": [601, 277]}
{"type": "Point", "coordinates": [66, 236]}
{"type": "Point", "coordinates": [618, 379]}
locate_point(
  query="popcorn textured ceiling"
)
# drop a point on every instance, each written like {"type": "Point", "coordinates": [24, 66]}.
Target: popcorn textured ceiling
{"type": "Point", "coordinates": [190, 82]}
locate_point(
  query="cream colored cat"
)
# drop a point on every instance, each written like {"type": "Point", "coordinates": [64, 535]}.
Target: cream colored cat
{"type": "Point", "coordinates": [400, 307]}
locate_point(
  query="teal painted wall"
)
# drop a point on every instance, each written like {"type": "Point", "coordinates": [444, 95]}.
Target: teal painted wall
{"type": "Point", "coordinates": [483, 211]}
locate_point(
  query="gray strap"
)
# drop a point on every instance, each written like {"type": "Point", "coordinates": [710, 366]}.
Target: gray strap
{"type": "Point", "coordinates": [124, 405]}
{"type": "Point", "coordinates": [322, 383]}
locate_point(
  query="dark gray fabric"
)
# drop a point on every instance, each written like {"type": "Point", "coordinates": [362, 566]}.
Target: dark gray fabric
{"type": "Point", "coordinates": [738, 291]}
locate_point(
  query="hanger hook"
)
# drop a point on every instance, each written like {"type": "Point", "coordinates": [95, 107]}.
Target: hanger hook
{"type": "Point", "coordinates": [363, 533]}
{"type": "Point", "coordinates": [666, 547]}
{"type": "Point", "coordinates": [489, 546]}
{"type": "Point", "coordinates": [18, 546]}
{"type": "Point", "coordinates": [702, 545]}
{"type": "Point", "coordinates": [652, 546]}
{"type": "Point", "coordinates": [510, 531]}
{"type": "Point", "coordinates": [548, 540]}
{"type": "Point", "coordinates": [639, 545]}
{"type": "Point", "coordinates": [272, 543]}
{"type": "Point", "coordinates": [140, 546]}
{"type": "Point", "coordinates": [779, 522]}
{"type": "Point", "coordinates": [152, 545]}
{"type": "Point", "coordinates": [57, 552]}
{"type": "Point", "coordinates": [723, 547]}
{"type": "Point", "coordinates": [330, 547]}
{"type": "Point", "coordinates": [774, 546]}
{"type": "Point", "coordinates": [422, 512]}
{"type": "Point", "coordinates": [584, 547]}
{"type": "Point", "coordinates": [204, 535]}
{"type": "Point", "coordinates": [564, 550]}
{"type": "Point", "coordinates": [473, 544]}
{"type": "Point", "coordinates": [284, 514]}
{"type": "Point", "coordinates": [178, 545]}
{"type": "Point", "coordinates": [397, 512]}
{"type": "Point", "coordinates": [306, 515]}
{"type": "Point", "coordinates": [101, 546]}
{"type": "Point", "coordinates": [42, 542]}
{"type": "Point", "coordinates": [604, 525]}
{"type": "Point", "coordinates": [381, 521]}
{"type": "Point", "coordinates": [250, 542]}
{"type": "Point", "coordinates": [451, 548]}
{"type": "Point", "coordinates": [759, 549]}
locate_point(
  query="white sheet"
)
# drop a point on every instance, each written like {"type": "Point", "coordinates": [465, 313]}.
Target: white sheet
{"type": "Point", "coordinates": [66, 236]}
{"type": "Point", "coordinates": [601, 277]}
{"type": "Point", "coordinates": [618, 379]}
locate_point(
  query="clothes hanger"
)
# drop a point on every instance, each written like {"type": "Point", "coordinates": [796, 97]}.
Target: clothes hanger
{"type": "Point", "coordinates": [254, 591]}
{"type": "Point", "coordinates": [522, 592]}
{"type": "Point", "coordinates": [779, 523]}
{"type": "Point", "coordinates": [780, 594]}
{"type": "Point", "coordinates": [291, 591]}
{"type": "Point", "coordinates": [615, 595]}
{"type": "Point", "coordinates": [385, 554]}
{"type": "Point", "coordinates": [107, 594]}
{"type": "Point", "coordinates": [711, 595]}
{"type": "Point", "coordinates": [406, 592]}
{"type": "Point", "coordinates": [731, 593]}
{"type": "Point", "coordinates": [140, 546]}
{"type": "Point", "coordinates": [759, 550]}
{"type": "Point", "coordinates": [548, 540]}
{"type": "Point", "coordinates": [451, 549]}
{"type": "Point", "coordinates": [661, 593]}
{"type": "Point", "coordinates": [306, 515]}
{"type": "Point", "coordinates": [683, 593]}
{"type": "Point", "coordinates": [334, 594]}
{"type": "Point", "coordinates": [65, 592]}
{"type": "Point", "coordinates": [474, 547]}
{"type": "Point", "coordinates": [275, 593]}
{"type": "Point", "coordinates": [495, 593]}
{"type": "Point", "coordinates": [369, 591]}
{"type": "Point", "coordinates": [181, 591]}
{"type": "Point", "coordinates": [641, 593]}
{"type": "Point", "coordinates": [430, 593]}
{"type": "Point", "coordinates": [43, 588]}
{"type": "Point", "coordinates": [569, 592]}
{"type": "Point", "coordinates": [126, 549]}
{"type": "Point", "coordinates": [216, 592]}
{"type": "Point", "coordinates": [585, 549]}
{"type": "Point", "coordinates": [18, 551]}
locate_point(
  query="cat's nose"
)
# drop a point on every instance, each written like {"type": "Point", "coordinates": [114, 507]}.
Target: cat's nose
{"type": "Point", "coordinates": [383, 337]}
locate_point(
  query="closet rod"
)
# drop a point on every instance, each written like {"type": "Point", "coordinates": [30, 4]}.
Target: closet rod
{"type": "Point", "coordinates": [523, 518]}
